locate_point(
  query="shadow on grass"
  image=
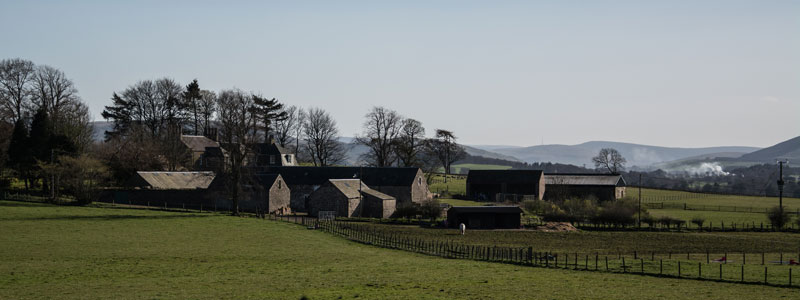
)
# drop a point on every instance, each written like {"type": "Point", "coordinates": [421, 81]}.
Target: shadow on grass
{"type": "Point", "coordinates": [106, 218]}
{"type": "Point", "coordinates": [14, 203]}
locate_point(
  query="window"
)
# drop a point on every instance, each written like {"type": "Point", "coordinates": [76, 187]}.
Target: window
{"type": "Point", "coordinates": [419, 181]}
{"type": "Point", "coordinates": [288, 158]}
{"type": "Point", "coordinates": [280, 184]}
{"type": "Point", "coordinates": [272, 159]}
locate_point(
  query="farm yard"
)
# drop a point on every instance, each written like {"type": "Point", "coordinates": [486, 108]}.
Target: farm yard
{"type": "Point", "coordinates": [71, 252]}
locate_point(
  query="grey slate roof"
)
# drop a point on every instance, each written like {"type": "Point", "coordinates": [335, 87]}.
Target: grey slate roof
{"type": "Point", "coordinates": [584, 179]}
{"type": "Point", "coordinates": [371, 176]}
{"type": "Point", "coordinates": [172, 180]}
{"type": "Point", "coordinates": [198, 143]}
{"type": "Point", "coordinates": [504, 176]}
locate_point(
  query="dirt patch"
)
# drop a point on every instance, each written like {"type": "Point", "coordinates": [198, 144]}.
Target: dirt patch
{"type": "Point", "coordinates": [556, 227]}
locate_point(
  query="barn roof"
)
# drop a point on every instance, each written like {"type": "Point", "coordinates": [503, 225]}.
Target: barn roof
{"type": "Point", "coordinates": [172, 180]}
{"type": "Point", "coordinates": [271, 148]}
{"type": "Point", "coordinates": [350, 188]}
{"type": "Point", "coordinates": [486, 209]}
{"type": "Point", "coordinates": [584, 179]}
{"type": "Point", "coordinates": [504, 176]}
{"type": "Point", "coordinates": [371, 176]}
{"type": "Point", "coordinates": [198, 143]}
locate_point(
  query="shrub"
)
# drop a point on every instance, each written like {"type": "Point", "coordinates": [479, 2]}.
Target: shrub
{"type": "Point", "coordinates": [535, 206]}
{"type": "Point", "coordinates": [778, 218]}
{"type": "Point", "coordinates": [649, 220]}
{"type": "Point", "coordinates": [670, 222]}
{"type": "Point", "coordinates": [579, 210]}
{"type": "Point", "coordinates": [430, 209]}
{"type": "Point", "coordinates": [620, 212]}
{"type": "Point", "coordinates": [698, 221]}
{"type": "Point", "coordinates": [553, 213]}
{"type": "Point", "coordinates": [406, 210]}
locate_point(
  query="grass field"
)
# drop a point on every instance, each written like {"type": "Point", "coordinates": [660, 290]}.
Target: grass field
{"type": "Point", "coordinates": [457, 168]}
{"type": "Point", "coordinates": [79, 252]}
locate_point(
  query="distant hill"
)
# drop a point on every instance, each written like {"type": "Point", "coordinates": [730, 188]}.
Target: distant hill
{"type": "Point", "coordinates": [789, 149]}
{"type": "Point", "coordinates": [636, 155]}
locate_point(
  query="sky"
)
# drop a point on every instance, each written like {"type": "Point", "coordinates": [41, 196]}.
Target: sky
{"type": "Point", "coordinates": [667, 73]}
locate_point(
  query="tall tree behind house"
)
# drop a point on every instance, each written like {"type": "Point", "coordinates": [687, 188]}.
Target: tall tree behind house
{"type": "Point", "coordinates": [268, 111]}
{"type": "Point", "coordinates": [238, 121]}
{"type": "Point", "coordinates": [381, 131]}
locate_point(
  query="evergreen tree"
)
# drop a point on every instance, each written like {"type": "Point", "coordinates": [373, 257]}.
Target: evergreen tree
{"type": "Point", "coordinates": [268, 111]}
{"type": "Point", "coordinates": [192, 97]}
{"type": "Point", "coordinates": [19, 155]}
{"type": "Point", "coordinates": [39, 139]}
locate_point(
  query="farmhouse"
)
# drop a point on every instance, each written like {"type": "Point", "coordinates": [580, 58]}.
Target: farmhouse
{"type": "Point", "coordinates": [272, 154]}
{"type": "Point", "coordinates": [485, 185]}
{"type": "Point", "coordinates": [206, 153]}
{"type": "Point", "coordinates": [406, 185]}
{"type": "Point", "coordinates": [602, 186]}
{"type": "Point", "coordinates": [485, 217]}
{"type": "Point", "coordinates": [350, 198]}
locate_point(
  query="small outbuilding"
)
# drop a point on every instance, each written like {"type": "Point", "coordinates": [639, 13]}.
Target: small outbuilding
{"type": "Point", "coordinates": [485, 185]}
{"type": "Point", "coordinates": [604, 187]}
{"type": "Point", "coordinates": [350, 198]}
{"type": "Point", "coordinates": [485, 217]}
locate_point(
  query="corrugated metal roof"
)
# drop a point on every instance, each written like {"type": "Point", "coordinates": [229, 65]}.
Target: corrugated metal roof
{"type": "Point", "coordinates": [349, 187]}
{"type": "Point", "coordinates": [583, 179]}
{"type": "Point", "coordinates": [176, 180]}
{"type": "Point", "coordinates": [504, 176]}
{"type": "Point", "coordinates": [198, 143]}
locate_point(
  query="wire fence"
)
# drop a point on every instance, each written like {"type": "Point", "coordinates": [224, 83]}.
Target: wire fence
{"type": "Point", "coordinates": [773, 273]}
{"type": "Point", "coordinates": [720, 208]}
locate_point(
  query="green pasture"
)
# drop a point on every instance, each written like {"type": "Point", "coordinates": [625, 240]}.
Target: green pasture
{"type": "Point", "coordinates": [88, 252]}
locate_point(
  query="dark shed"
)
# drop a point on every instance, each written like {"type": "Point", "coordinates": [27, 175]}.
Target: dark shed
{"type": "Point", "coordinates": [486, 184]}
{"type": "Point", "coordinates": [485, 217]}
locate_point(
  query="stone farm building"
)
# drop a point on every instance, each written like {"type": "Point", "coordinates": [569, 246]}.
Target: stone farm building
{"type": "Point", "coordinates": [602, 186]}
{"type": "Point", "coordinates": [350, 198]}
{"type": "Point", "coordinates": [485, 217]}
{"type": "Point", "coordinates": [164, 188]}
{"type": "Point", "coordinates": [261, 193]}
{"type": "Point", "coordinates": [485, 185]}
{"type": "Point", "coordinates": [406, 185]}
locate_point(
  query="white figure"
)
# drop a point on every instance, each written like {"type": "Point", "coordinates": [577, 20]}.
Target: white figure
{"type": "Point", "coordinates": [463, 228]}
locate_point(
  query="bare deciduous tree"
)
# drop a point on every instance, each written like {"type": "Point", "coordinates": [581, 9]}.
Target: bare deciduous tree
{"type": "Point", "coordinates": [609, 159]}
{"type": "Point", "coordinates": [238, 120]}
{"type": "Point", "coordinates": [410, 143]}
{"type": "Point", "coordinates": [321, 136]}
{"type": "Point", "coordinates": [207, 106]}
{"type": "Point", "coordinates": [286, 127]}
{"type": "Point", "coordinates": [381, 130]}
{"type": "Point", "coordinates": [154, 104]}
{"type": "Point", "coordinates": [52, 91]}
{"type": "Point", "coordinates": [444, 147]}
{"type": "Point", "coordinates": [16, 76]}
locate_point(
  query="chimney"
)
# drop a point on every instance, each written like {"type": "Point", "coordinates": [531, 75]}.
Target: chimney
{"type": "Point", "coordinates": [211, 133]}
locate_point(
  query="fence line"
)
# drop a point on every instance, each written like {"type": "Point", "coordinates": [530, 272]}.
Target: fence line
{"type": "Point", "coordinates": [528, 256]}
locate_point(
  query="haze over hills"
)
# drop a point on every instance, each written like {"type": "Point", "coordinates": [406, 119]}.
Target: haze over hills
{"type": "Point", "coordinates": [789, 149]}
{"type": "Point", "coordinates": [637, 155]}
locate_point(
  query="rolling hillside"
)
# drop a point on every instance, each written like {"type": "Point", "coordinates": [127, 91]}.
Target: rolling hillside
{"type": "Point", "coordinates": [637, 155]}
{"type": "Point", "coordinates": [789, 149]}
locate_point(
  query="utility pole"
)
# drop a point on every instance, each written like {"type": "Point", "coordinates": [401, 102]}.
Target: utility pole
{"type": "Point", "coordinates": [640, 200]}
{"type": "Point", "coordinates": [780, 185]}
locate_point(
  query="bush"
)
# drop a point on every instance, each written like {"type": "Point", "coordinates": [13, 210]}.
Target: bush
{"type": "Point", "coordinates": [406, 210]}
{"type": "Point", "coordinates": [553, 213]}
{"type": "Point", "coordinates": [431, 209]}
{"type": "Point", "coordinates": [649, 220]}
{"type": "Point", "coordinates": [621, 212]}
{"type": "Point", "coordinates": [535, 206]}
{"type": "Point", "coordinates": [670, 222]}
{"type": "Point", "coordinates": [778, 218]}
{"type": "Point", "coordinates": [698, 221]}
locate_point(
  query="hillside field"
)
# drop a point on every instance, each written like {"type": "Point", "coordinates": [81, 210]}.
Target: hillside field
{"type": "Point", "coordinates": [88, 252]}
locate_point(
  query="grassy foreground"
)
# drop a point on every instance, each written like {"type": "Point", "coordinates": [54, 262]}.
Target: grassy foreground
{"type": "Point", "coordinates": [78, 252]}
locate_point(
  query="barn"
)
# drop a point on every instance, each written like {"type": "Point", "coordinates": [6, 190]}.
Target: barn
{"type": "Point", "coordinates": [485, 185]}
{"type": "Point", "coordinates": [262, 193]}
{"type": "Point", "coordinates": [406, 185]}
{"type": "Point", "coordinates": [350, 198]}
{"type": "Point", "coordinates": [485, 217]}
{"type": "Point", "coordinates": [604, 187]}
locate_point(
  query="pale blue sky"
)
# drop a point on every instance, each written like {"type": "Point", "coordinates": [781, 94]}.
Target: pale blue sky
{"type": "Point", "coordinates": [670, 73]}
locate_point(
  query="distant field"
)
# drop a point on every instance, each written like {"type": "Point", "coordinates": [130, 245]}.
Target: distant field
{"type": "Point", "coordinates": [679, 197]}
{"type": "Point", "coordinates": [457, 168]}
{"type": "Point", "coordinates": [83, 252]}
